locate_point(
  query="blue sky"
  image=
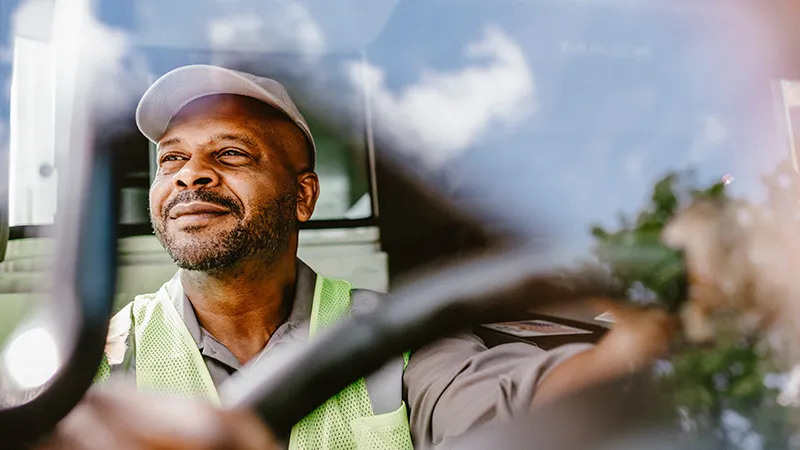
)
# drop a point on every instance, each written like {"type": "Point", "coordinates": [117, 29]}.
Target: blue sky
{"type": "Point", "coordinates": [608, 98]}
{"type": "Point", "coordinates": [622, 96]}
{"type": "Point", "coordinates": [6, 9]}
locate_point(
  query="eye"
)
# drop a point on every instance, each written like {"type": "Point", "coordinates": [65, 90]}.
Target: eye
{"type": "Point", "coordinates": [233, 156]}
{"type": "Point", "coordinates": [171, 158]}
{"type": "Point", "coordinates": [231, 152]}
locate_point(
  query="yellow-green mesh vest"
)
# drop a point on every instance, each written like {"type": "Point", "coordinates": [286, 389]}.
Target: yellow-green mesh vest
{"type": "Point", "coordinates": [169, 362]}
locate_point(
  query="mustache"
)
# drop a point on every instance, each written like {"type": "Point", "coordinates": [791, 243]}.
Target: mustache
{"type": "Point", "coordinates": [205, 197]}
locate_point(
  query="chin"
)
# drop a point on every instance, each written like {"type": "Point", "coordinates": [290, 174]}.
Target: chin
{"type": "Point", "coordinates": [198, 259]}
{"type": "Point", "coordinates": [193, 244]}
{"type": "Point", "coordinates": [211, 231]}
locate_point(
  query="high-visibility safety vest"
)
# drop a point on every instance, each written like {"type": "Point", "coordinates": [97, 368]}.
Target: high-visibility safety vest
{"type": "Point", "coordinates": [168, 361]}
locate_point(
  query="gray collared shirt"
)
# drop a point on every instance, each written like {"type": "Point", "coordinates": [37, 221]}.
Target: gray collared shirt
{"type": "Point", "coordinates": [450, 387]}
{"type": "Point", "coordinates": [220, 361]}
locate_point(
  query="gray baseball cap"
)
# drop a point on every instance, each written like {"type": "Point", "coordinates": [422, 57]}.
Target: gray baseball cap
{"type": "Point", "coordinates": [174, 90]}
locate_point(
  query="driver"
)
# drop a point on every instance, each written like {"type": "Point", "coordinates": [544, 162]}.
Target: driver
{"type": "Point", "coordinates": [236, 176]}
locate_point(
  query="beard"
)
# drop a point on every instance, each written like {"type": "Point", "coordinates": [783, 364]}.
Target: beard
{"type": "Point", "coordinates": [265, 234]}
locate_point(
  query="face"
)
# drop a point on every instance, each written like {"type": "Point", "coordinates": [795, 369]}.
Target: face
{"type": "Point", "coordinates": [232, 184]}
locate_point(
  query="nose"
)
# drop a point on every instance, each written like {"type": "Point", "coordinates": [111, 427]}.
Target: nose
{"type": "Point", "coordinates": [195, 174]}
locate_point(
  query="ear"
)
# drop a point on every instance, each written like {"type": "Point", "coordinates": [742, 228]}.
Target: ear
{"type": "Point", "coordinates": [307, 195]}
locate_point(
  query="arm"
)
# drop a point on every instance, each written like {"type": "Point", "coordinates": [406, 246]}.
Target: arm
{"type": "Point", "coordinates": [457, 384]}
{"type": "Point", "coordinates": [640, 336]}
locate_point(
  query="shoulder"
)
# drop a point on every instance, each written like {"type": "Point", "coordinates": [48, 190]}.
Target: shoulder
{"type": "Point", "coordinates": [119, 329]}
{"type": "Point", "coordinates": [118, 334]}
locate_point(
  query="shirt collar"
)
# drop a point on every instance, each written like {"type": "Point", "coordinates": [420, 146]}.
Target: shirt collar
{"type": "Point", "coordinates": [298, 317]}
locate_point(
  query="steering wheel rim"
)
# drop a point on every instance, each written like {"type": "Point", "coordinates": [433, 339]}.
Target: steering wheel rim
{"type": "Point", "coordinates": [93, 228]}
{"type": "Point", "coordinates": [494, 288]}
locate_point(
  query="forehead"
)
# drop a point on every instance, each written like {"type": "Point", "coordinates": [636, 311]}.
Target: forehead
{"type": "Point", "coordinates": [201, 120]}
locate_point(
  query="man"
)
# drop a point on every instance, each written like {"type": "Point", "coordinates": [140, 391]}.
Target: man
{"type": "Point", "coordinates": [235, 178]}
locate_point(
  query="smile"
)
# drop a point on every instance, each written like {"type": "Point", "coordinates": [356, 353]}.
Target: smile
{"type": "Point", "coordinates": [196, 213]}
{"type": "Point", "coordinates": [197, 219]}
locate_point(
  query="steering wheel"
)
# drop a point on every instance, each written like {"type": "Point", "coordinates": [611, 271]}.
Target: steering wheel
{"type": "Point", "coordinates": [86, 257]}
{"type": "Point", "coordinates": [489, 288]}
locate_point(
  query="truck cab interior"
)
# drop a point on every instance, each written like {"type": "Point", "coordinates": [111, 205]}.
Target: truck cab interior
{"type": "Point", "coordinates": [444, 129]}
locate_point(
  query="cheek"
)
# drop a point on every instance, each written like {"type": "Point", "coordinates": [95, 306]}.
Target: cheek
{"type": "Point", "coordinates": [251, 194]}
{"type": "Point", "coordinates": [158, 197]}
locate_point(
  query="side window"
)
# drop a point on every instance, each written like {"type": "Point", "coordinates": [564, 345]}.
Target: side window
{"type": "Point", "coordinates": [343, 164]}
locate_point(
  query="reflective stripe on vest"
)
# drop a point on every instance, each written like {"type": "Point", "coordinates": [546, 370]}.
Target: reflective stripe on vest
{"type": "Point", "coordinates": [168, 361]}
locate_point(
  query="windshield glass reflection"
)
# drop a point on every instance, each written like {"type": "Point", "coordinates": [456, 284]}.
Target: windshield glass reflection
{"type": "Point", "coordinates": [597, 121]}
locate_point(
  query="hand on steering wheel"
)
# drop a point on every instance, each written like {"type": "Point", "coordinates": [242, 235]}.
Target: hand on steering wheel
{"type": "Point", "coordinates": [118, 417]}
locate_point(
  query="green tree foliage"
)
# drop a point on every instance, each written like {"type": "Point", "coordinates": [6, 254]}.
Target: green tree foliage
{"type": "Point", "coordinates": [721, 379]}
{"type": "Point", "coordinates": [634, 251]}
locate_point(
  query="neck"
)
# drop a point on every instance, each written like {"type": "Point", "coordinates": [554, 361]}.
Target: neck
{"type": "Point", "coordinates": [244, 305]}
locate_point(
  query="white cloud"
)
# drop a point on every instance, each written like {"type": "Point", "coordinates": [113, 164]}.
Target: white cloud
{"type": "Point", "coordinates": [225, 31]}
{"type": "Point", "coordinates": [444, 113]}
{"type": "Point", "coordinates": [34, 19]}
{"type": "Point", "coordinates": [712, 134]}
{"type": "Point", "coordinates": [85, 51]}
{"type": "Point", "coordinates": [101, 51]}
{"type": "Point", "coordinates": [289, 27]}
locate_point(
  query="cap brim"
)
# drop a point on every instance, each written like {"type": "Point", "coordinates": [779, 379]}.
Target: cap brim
{"type": "Point", "coordinates": [167, 96]}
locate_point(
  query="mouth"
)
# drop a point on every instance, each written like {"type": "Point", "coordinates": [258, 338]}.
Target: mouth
{"type": "Point", "coordinates": [197, 213]}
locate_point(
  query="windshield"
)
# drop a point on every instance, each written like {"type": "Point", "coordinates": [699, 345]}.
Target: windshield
{"type": "Point", "coordinates": [593, 99]}
{"type": "Point", "coordinates": [568, 123]}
